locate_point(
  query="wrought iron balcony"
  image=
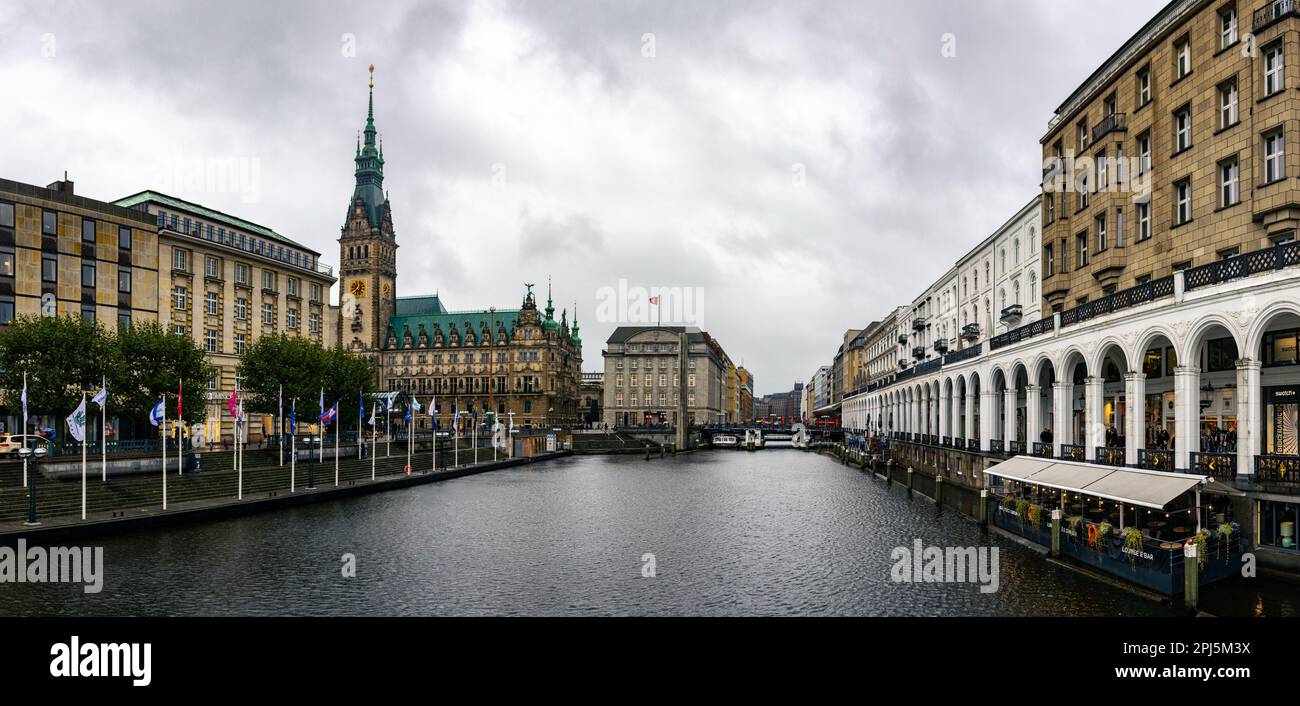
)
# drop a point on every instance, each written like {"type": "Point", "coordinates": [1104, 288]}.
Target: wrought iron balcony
{"type": "Point", "coordinates": [1156, 459]}
{"type": "Point", "coordinates": [902, 362]}
{"type": "Point", "coordinates": [918, 324]}
{"type": "Point", "coordinates": [1114, 122]}
{"type": "Point", "coordinates": [970, 332]}
{"type": "Point", "coordinates": [941, 347]}
{"type": "Point", "coordinates": [1012, 313]}
{"type": "Point", "coordinates": [1270, 13]}
{"type": "Point", "coordinates": [918, 352]}
{"type": "Point", "coordinates": [902, 339]}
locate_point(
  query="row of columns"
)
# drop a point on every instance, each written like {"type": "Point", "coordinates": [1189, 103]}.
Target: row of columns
{"type": "Point", "coordinates": [921, 415]}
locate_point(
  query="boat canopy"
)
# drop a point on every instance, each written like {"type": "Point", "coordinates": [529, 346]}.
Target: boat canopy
{"type": "Point", "coordinates": [1153, 489]}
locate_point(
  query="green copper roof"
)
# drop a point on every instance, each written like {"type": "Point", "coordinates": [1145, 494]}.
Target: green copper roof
{"type": "Point", "coordinates": [370, 165]}
{"type": "Point", "coordinates": [508, 318]}
{"type": "Point", "coordinates": [171, 202]}
{"type": "Point", "coordinates": [420, 306]}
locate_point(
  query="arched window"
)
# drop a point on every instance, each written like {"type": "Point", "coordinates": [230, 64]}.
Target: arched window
{"type": "Point", "coordinates": [1015, 291]}
{"type": "Point", "coordinates": [1002, 298]}
{"type": "Point", "coordinates": [1015, 251]}
{"type": "Point", "coordinates": [1004, 259]}
{"type": "Point", "coordinates": [1033, 286]}
{"type": "Point", "coordinates": [1033, 240]}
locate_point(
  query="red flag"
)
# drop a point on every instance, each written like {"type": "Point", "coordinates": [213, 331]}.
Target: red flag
{"type": "Point", "coordinates": [233, 403]}
{"type": "Point", "coordinates": [180, 392]}
{"type": "Point", "coordinates": [654, 299]}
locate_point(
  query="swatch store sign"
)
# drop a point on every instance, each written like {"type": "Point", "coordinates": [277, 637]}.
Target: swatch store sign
{"type": "Point", "coordinates": [1282, 415]}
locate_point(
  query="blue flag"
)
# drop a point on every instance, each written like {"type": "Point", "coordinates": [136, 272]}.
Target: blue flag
{"type": "Point", "coordinates": [156, 414]}
{"type": "Point", "coordinates": [361, 403]}
{"type": "Point", "coordinates": [293, 418]}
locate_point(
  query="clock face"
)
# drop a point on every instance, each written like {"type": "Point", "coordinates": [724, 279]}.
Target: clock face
{"type": "Point", "coordinates": [358, 288]}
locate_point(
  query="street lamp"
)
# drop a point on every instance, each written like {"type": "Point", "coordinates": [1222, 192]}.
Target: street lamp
{"type": "Point", "coordinates": [26, 453]}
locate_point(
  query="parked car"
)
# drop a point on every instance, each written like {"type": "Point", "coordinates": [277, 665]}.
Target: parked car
{"type": "Point", "coordinates": [10, 443]}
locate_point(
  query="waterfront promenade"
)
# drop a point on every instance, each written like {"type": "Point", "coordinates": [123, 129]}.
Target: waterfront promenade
{"type": "Point", "coordinates": [134, 502]}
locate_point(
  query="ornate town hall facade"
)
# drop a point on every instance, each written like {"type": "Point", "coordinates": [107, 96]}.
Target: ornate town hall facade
{"type": "Point", "coordinates": [520, 361]}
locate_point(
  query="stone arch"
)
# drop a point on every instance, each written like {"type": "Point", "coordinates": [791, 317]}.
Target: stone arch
{"type": "Point", "coordinates": [1149, 336]}
{"type": "Point", "coordinates": [1260, 325]}
{"type": "Point", "coordinates": [1108, 345]}
{"type": "Point", "coordinates": [1197, 336]}
{"type": "Point", "coordinates": [1067, 364]}
{"type": "Point", "coordinates": [1036, 376]}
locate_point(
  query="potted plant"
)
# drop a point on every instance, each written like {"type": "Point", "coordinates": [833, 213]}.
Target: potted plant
{"type": "Point", "coordinates": [1104, 531]}
{"type": "Point", "coordinates": [1132, 541]}
{"type": "Point", "coordinates": [1202, 540]}
{"type": "Point", "coordinates": [1022, 509]}
{"type": "Point", "coordinates": [1034, 513]}
{"type": "Point", "coordinates": [1075, 523]}
{"type": "Point", "coordinates": [1224, 531]}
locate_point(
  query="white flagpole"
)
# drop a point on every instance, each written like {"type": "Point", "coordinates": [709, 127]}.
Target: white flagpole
{"type": "Point", "coordinates": [374, 440]}
{"type": "Point", "coordinates": [410, 434]}
{"type": "Point", "coordinates": [239, 449]}
{"type": "Point", "coordinates": [455, 454]}
{"type": "Point", "coordinates": [361, 418]}
{"type": "Point", "coordinates": [474, 436]}
{"type": "Point", "coordinates": [388, 430]}
{"type": "Point", "coordinates": [433, 410]}
{"type": "Point", "coordinates": [279, 417]}
{"type": "Point", "coordinates": [293, 446]}
{"type": "Point", "coordinates": [24, 425]}
{"type": "Point", "coordinates": [83, 457]}
{"type": "Point", "coordinates": [320, 426]}
{"type": "Point", "coordinates": [103, 434]}
{"type": "Point", "coordinates": [337, 427]}
{"type": "Point", "coordinates": [164, 449]}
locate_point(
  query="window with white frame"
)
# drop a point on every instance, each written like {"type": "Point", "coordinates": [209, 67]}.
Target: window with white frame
{"type": "Point", "coordinates": [1182, 129]}
{"type": "Point", "coordinates": [1273, 65]}
{"type": "Point", "coordinates": [1229, 182]}
{"type": "Point", "coordinates": [1227, 27]}
{"type": "Point", "coordinates": [1228, 103]}
{"type": "Point", "coordinates": [1182, 201]}
{"type": "Point", "coordinates": [1274, 156]}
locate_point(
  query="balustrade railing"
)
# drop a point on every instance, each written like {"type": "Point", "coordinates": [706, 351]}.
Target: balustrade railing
{"type": "Point", "coordinates": [1109, 456]}
{"type": "Point", "coordinates": [1218, 465]}
{"type": "Point", "coordinates": [964, 354]}
{"type": "Point", "coordinates": [1015, 448]}
{"type": "Point", "coordinates": [1073, 452]}
{"type": "Point", "coordinates": [996, 446]}
{"type": "Point", "coordinates": [1271, 468]}
{"type": "Point", "coordinates": [1042, 450]}
{"type": "Point", "coordinates": [972, 444]}
{"type": "Point", "coordinates": [1156, 459]}
{"type": "Point", "coordinates": [945, 441]}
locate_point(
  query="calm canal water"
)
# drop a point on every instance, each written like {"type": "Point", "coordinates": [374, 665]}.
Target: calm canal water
{"type": "Point", "coordinates": [779, 532]}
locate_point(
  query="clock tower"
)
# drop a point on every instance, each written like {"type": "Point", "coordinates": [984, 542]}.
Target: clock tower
{"type": "Point", "coordinates": [367, 249]}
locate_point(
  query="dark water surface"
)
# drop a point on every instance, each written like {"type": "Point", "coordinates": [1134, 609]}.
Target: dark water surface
{"type": "Point", "coordinates": [778, 532]}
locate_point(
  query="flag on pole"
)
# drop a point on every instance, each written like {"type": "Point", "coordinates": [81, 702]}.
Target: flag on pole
{"type": "Point", "coordinates": [328, 416]}
{"type": "Point", "coordinates": [416, 404]}
{"type": "Point", "coordinates": [156, 414]}
{"type": "Point", "coordinates": [180, 394]}
{"type": "Point", "coordinates": [293, 417]}
{"type": "Point", "coordinates": [24, 399]}
{"type": "Point", "coordinates": [322, 402]}
{"type": "Point", "coordinates": [433, 410]}
{"type": "Point", "coordinates": [100, 397]}
{"type": "Point", "coordinates": [374, 409]}
{"type": "Point", "coordinates": [77, 421]}
{"type": "Point", "coordinates": [408, 414]}
{"type": "Point", "coordinates": [361, 404]}
{"type": "Point", "coordinates": [232, 404]}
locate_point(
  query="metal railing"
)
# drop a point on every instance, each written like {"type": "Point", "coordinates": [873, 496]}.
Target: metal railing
{"type": "Point", "coordinates": [1270, 13]}
{"type": "Point", "coordinates": [1013, 311]}
{"type": "Point", "coordinates": [996, 446]}
{"type": "Point", "coordinates": [1043, 450]}
{"type": "Point", "coordinates": [1273, 468]}
{"type": "Point", "coordinates": [945, 441]}
{"type": "Point", "coordinates": [1109, 456]}
{"type": "Point", "coordinates": [1073, 452]}
{"type": "Point", "coordinates": [1156, 459]}
{"type": "Point", "coordinates": [972, 444]}
{"type": "Point", "coordinates": [1114, 122]}
{"type": "Point", "coordinates": [1016, 335]}
{"type": "Point", "coordinates": [1218, 465]}
{"type": "Point", "coordinates": [927, 366]}
{"type": "Point", "coordinates": [1016, 447]}
{"type": "Point", "coordinates": [1123, 299]}
{"type": "Point", "coordinates": [970, 332]}
{"type": "Point", "coordinates": [964, 354]}
{"type": "Point", "coordinates": [1265, 260]}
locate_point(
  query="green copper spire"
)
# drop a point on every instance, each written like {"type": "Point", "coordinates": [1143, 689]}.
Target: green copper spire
{"type": "Point", "coordinates": [370, 165]}
{"type": "Point", "coordinates": [549, 321]}
{"type": "Point", "coordinates": [577, 340]}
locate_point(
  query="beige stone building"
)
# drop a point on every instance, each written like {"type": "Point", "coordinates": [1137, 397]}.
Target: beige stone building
{"type": "Point", "coordinates": [226, 282]}
{"type": "Point", "coordinates": [642, 372]}
{"type": "Point", "coordinates": [70, 255]}
{"type": "Point", "coordinates": [1173, 153]}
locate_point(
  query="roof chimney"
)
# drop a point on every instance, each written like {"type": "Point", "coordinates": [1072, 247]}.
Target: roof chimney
{"type": "Point", "coordinates": [63, 187]}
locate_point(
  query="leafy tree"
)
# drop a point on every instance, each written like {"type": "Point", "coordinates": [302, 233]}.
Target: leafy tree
{"type": "Point", "coordinates": [156, 361]}
{"type": "Point", "coordinates": [61, 356]}
{"type": "Point", "coordinates": [303, 367]}
{"type": "Point", "coordinates": [66, 354]}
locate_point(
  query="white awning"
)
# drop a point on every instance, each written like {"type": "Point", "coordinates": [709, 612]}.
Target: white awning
{"type": "Point", "coordinates": [1153, 489]}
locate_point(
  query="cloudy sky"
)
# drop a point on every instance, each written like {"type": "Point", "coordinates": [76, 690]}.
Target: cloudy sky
{"type": "Point", "coordinates": [807, 165]}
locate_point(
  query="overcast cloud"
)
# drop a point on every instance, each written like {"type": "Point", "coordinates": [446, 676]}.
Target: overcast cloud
{"type": "Point", "coordinates": [810, 165]}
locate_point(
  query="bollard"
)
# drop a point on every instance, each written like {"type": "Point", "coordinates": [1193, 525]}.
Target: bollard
{"type": "Point", "coordinates": [938, 490]}
{"type": "Point", "coordinates": [909, 481]}
{"type": "Point", "coordinates": [889, 471]}
{"type": "Point", "coordinates": [984, 507]}
{"type": "Point", "coordinates": [1191, 576]}
{"type": "Point", "coordinates": [1056, 532]}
